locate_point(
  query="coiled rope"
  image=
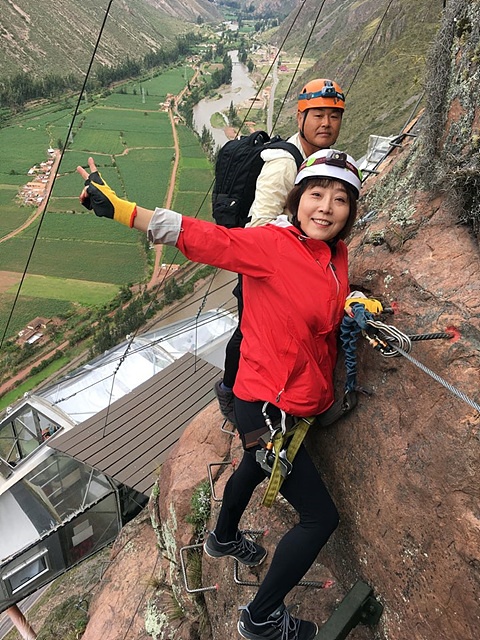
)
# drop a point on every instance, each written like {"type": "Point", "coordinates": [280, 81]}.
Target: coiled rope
{"type": "Point", "coordinates": [390, 342]}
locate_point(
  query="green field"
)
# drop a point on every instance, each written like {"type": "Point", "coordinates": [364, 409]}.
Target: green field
{"type": "Point", "coordinates": [86, 293]}
{"type": "Point", "coordinates": [72, 255]}
{"type": "Point", "coordinates": [32, 382]}
{"type": "Point", "coordinates": [27, 145]}
{"type": "Point", "coordinates": [194, 180]}
{"type": "Point", "coordinates": [90, 140]}
{"type": "Point", "coordinates": [11, 217]}
{"type": "Point", "coordinates": [27, 308]}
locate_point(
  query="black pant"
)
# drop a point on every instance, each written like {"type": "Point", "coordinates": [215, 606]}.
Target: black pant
{"type": "Point", "coordinates": [232, 350]}
{"type": "Point", "coordinates": [303, 489]}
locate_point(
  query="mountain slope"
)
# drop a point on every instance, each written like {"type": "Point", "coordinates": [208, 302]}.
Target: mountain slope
{"type": "Point", "coordinates": [59, 36]}
{"type": "Point", "coordinates": [376, 51]}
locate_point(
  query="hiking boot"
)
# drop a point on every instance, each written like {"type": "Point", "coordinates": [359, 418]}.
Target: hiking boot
{"type": "Point", "coordinates": [225, 401]}
{"type": "Point", "coordinates": [280, 625]}
{"type": "Point", "coordinates": [245, 551]}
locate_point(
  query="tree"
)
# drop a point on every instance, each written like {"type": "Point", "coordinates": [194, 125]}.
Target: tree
{"type": "Point", "coordinates": [232, 114]}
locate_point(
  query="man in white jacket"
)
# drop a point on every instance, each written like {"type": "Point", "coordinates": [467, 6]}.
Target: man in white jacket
{"type": "Point", "coordinates": [319, 117]}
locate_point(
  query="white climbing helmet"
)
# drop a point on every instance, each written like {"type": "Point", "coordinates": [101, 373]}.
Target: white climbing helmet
{"type": "Point", "coordinates": [330, 163]}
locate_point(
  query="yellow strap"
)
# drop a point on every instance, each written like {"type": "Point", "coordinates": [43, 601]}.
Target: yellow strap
{"type": "Point", "coordinates": [276, 479]}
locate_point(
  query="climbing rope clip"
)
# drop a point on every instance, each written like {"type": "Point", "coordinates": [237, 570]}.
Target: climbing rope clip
{"type": "Point", "coordinates": [266, 456]}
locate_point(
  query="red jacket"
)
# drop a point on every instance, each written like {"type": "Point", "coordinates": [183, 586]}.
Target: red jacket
{"type": "Point", "coordinates": [294, 292]}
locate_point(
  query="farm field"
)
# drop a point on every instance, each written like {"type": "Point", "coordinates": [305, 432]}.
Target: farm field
{"type": "Point", "coordinates": [72, 256]}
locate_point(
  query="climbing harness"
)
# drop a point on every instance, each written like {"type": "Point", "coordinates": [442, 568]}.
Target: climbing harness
{"type": "Point", "coordinates": [281, 444]}
{"type": "Point", "coordinates": [284, 437]}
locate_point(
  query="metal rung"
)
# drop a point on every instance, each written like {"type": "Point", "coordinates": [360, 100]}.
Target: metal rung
{"type": "Point", "coordinates": [326, 584]}
{"type": "Point", "coordinates": [370, 171]}
{"type": "Point", "coordinates": [222, 428]}
{"type": "Point", "coordinates": [199, 546]}
{"type": "Point", "coordinates": [358, 606]}
{"type": "Point", "coordinates": [184, 570]}
{"type": "Point", "coordinates": [210, 477]}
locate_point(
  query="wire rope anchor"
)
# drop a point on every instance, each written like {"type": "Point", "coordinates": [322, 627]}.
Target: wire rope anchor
{"type": "Point", "coordinates": [183, 562]}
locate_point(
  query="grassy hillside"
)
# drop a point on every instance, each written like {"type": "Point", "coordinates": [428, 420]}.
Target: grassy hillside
{"type": "Point", "coordinates": [379, 61]}
{"type": "Point", "coordinates": [59, 36]}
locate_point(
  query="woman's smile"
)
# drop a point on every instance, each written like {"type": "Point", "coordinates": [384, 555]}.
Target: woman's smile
{"type": "Point", "coordinates": [323, 210]}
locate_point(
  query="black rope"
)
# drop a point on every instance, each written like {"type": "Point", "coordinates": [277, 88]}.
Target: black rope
{"type": "Point", "coordinates": [299, 61]}
{"type": "Point", "coordinates": [369, 47]}
{"type": "Point", "coordinates": [274, 61]}
{"type": "Point", "coordinates": [42, 217]}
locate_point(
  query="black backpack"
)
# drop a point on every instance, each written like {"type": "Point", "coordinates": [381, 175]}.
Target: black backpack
{"type": "Point", "coordinates": [236, 171]}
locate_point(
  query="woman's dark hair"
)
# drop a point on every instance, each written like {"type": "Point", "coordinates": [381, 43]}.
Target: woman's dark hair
{"type": "Point", "coordinates": [293, 200]}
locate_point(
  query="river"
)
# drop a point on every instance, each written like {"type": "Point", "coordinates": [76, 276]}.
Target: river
{"type": "Point", "coordinates": [241, 89]}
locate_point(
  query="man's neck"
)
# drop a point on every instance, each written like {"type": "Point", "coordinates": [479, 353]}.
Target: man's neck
{"type": "Point", "coordinates": [308, 148]}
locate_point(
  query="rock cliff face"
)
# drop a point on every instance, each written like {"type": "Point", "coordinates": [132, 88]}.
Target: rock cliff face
{"type": "Point", "coordinates": [404, 466]}
{"type": "Point", "coordinates": [143, 592]}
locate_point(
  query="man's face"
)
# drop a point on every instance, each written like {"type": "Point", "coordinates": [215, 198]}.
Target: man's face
{"type": "Point", "coordinates": [320, 126]}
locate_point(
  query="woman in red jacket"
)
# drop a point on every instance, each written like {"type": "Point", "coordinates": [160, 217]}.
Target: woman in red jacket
{"type": "Point", "coordinates": [295, 281]}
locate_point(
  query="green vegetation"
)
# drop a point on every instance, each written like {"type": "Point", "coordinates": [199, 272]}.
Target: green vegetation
{"type": "Point", "coordinates": [21, 87]}
{"type": "Point", "coordinates": [192, 191]}
{"type": "Point", "coordinates": [146, 174]}
{"type": "Point", "coordinates": [212, 77]}
{"type": "Point", "coordinates": [83, 292]}
{"type": "Point", "coordinates": [34, 379]}
{"type": "Point", "coordinates": [200, 507]}
{"type": "Point", "coordinates": [383, 77]}
{"type": "Point", "coordinates": [77, 257]}
{"type": "Point", "coordinates": [66, 621]}
{"type": "Point", "coordinates": [89, 260]}
{"type": "Point", "coordinates": [27, 308]}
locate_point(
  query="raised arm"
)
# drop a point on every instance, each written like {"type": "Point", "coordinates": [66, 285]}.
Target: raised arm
{"type": "Point", "coordinates": [97, 195]}
{"type": "Point", "coordinates": [198, 240]}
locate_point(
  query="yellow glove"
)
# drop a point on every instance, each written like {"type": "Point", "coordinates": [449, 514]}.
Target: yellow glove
{"type": "Point", "coordinates": [370, 304]}
{"type": "Point", "coordinates": [105, 202]}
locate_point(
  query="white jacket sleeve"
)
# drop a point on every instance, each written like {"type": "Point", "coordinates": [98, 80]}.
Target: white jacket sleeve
{"type": "Point", "coordinates": [164, 227]}
{"type": "Point", "coordinates": [276, 179]}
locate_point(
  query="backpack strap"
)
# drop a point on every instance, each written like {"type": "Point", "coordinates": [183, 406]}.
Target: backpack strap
{"type": "Point", "coordinates": [290, 147]}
